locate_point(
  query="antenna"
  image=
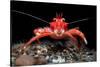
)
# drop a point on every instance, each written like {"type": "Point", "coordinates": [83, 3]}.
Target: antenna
{"type": "Point", "coordinates": [30, 16]}
{"type": "Point", "coordinates": [78, 21]}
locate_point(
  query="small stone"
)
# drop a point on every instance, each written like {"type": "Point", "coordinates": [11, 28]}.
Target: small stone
{"type": "Point", "coordinates": [39, 60]}
{"type": "Point", "coordinates": [24, 60]}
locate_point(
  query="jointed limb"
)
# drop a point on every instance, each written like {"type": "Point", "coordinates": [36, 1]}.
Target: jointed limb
{"type": "Point", "coordinates": [73, 39]}
{"type": "Point", "coordinates": [34, 39]}
{"type": "Point", "coordinates": [76, 32]}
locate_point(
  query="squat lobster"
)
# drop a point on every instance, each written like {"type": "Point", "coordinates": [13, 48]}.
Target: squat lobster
{"type": "Point", "coordinates": [58, 30]}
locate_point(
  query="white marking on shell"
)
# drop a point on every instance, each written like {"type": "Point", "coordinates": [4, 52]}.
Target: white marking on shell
{"type": "Point", "coordinates": [37, 33]}
{"type": "Point", "coordinates": [85, 41]}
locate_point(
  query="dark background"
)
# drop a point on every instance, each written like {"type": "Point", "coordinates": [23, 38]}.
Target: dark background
{"type": "Point", "coordinates": [22, 26]}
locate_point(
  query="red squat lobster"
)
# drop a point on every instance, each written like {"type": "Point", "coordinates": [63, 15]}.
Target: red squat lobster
{"type": "Point", "coordinates": [58, 30]}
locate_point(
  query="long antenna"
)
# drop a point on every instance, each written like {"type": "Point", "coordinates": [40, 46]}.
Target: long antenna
{"type": "Point", "coordinates": [30, 16]}
{"type": "Point", "coordinates": [78, 21]}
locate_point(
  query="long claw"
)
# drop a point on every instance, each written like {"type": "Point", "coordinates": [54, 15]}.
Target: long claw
{"type": "Point", "coordinates": [78, 33]}
{"type": "Point", "coordinates": [33, 39]}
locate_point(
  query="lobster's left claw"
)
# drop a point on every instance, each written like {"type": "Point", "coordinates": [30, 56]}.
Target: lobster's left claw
{"type": "Point", "coordinates": [78, 33]}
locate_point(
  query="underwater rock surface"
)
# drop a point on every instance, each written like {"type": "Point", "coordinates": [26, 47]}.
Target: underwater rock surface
{"type": "Point", "coordinates": [51, 53]}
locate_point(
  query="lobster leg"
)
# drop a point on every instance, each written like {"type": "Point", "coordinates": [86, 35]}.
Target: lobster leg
{"type": "Point", "coordinates": [72, 38]}
{"type": "Point", "coordinates": [76, 32]}
{"type": "Point", "coordinates": [38, 41]}
{"type": "Point", "coordinates": [34, 39]}
{"type": "Point", "coordinates": [70, 35]}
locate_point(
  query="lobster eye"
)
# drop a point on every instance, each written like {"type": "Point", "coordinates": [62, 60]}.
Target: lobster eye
{"type": "Point", "coordinates": [54, 19]}
{"type": "Point", "coordinates": [63, 19]}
